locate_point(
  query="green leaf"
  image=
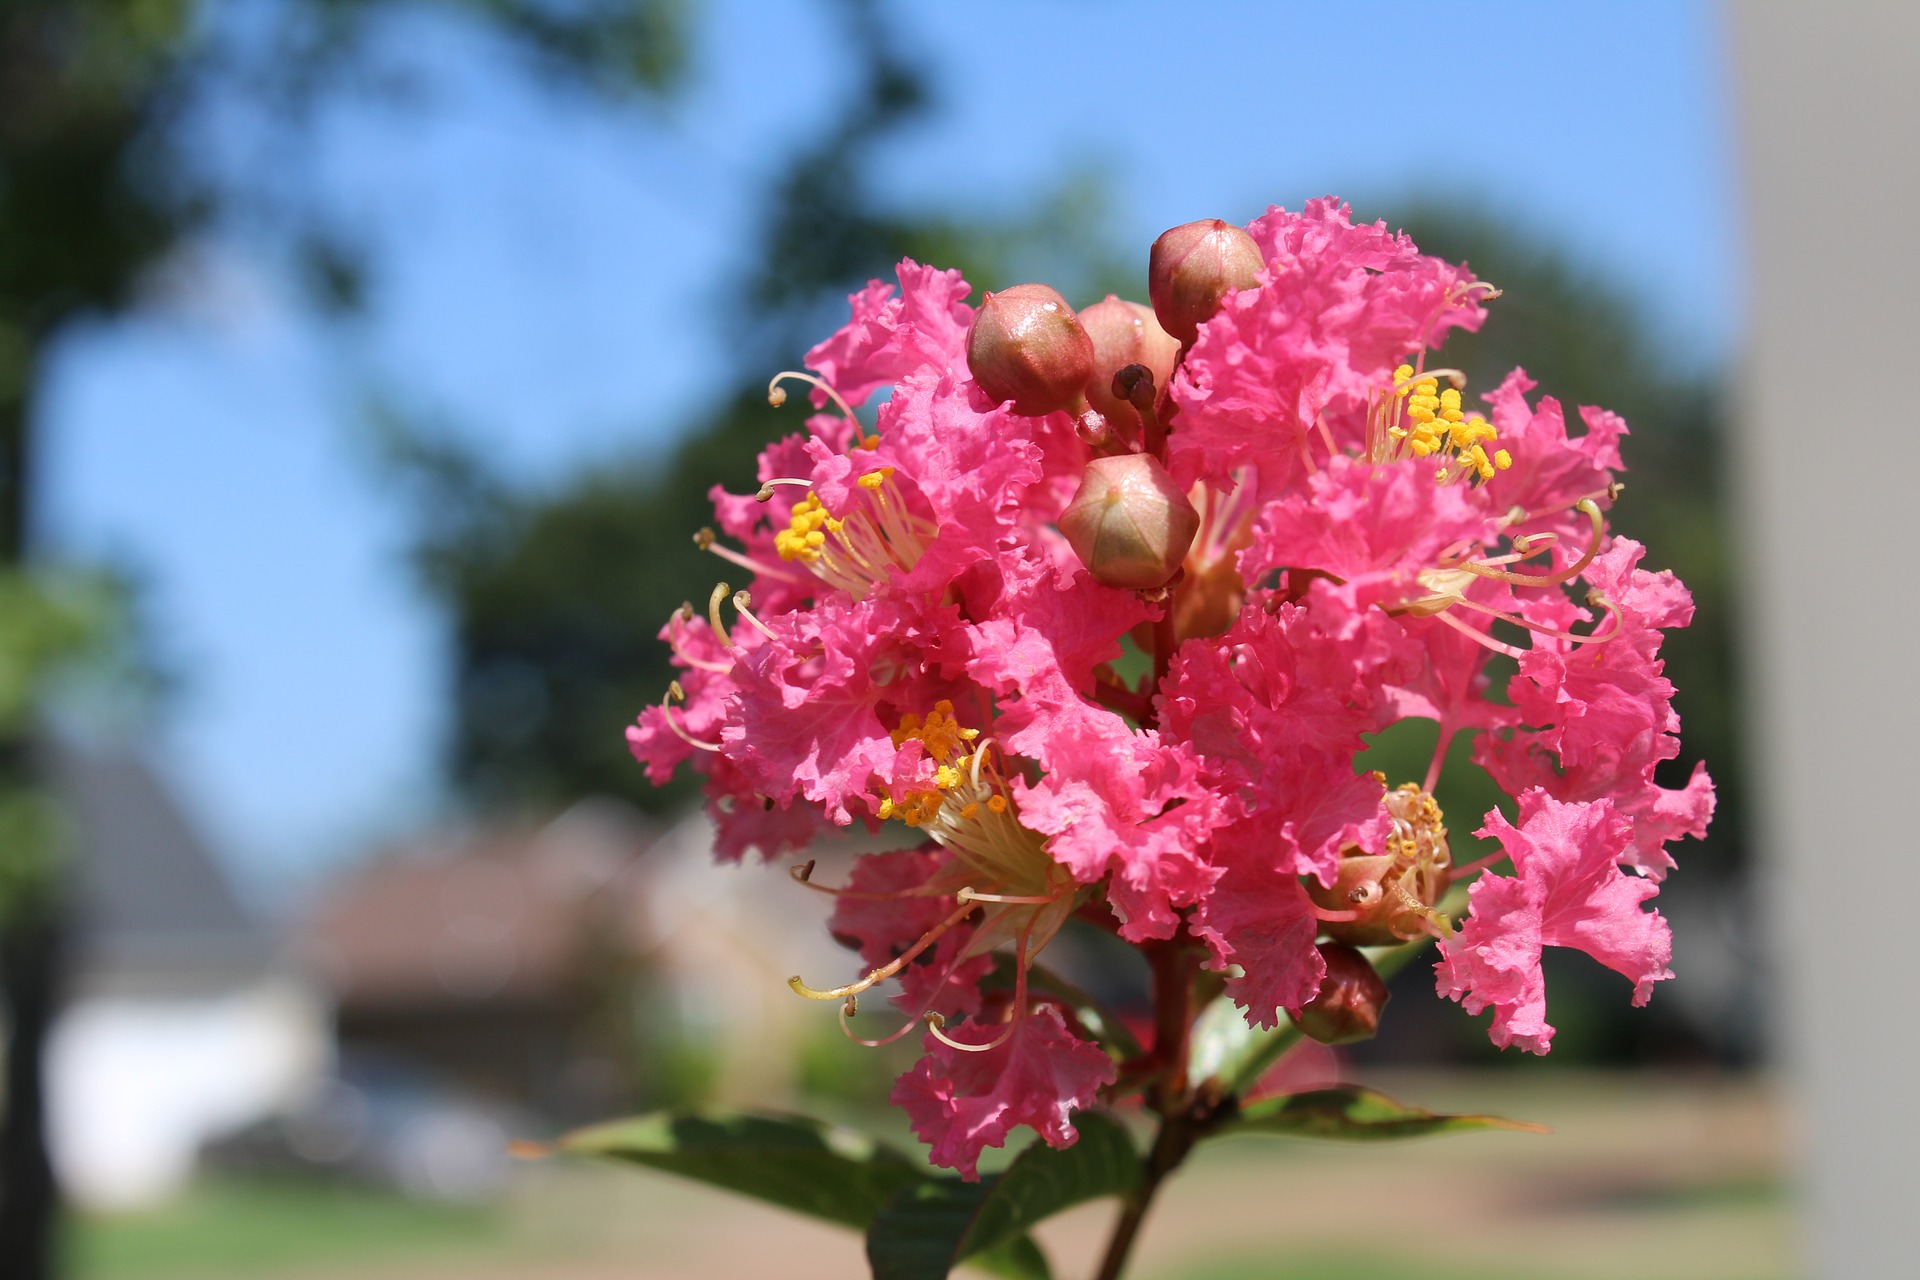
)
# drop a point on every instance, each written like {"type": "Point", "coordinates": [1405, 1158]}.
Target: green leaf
{"type": "Point", "coordinates": [791, 1161]}
{"type": "Point", "coordinates": [929, 1229]}
{"type": "Point", "coordinates": [1356, 1115]}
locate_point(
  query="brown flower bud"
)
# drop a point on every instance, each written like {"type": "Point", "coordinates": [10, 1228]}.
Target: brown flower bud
{"type": "Point", "coordinates": [1391, 896]}
{"type": "Point", "coordinates": [1195, 265]}
{"type": "Point", "coordinates": [1026, 346]}
{"type": "Point", "coordinates": [1129, 523]}
{"type": "Point", "coordinates": [1350, 1001]}
{"type": "Point", "coordinates": [1125, 333]}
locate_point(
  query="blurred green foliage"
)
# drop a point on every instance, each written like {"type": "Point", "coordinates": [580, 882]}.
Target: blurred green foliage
{"type": "Point", "coordinates": [556, 597]}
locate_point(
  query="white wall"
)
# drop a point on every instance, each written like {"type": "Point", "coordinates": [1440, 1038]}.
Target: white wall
{"type": "Point", "coordinates": [1825, 446]}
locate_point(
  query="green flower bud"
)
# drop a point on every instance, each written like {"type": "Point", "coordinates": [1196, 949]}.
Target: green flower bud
{"type": "Point", "coordinates": [1129, 523]}
{"type": "Point", "coordinates": [1193, 267]}
{"type": "Point", "coordinates": [1026, 346]}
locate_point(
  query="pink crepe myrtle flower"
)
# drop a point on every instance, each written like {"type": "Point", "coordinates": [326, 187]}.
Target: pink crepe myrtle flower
{"type": "Point", "coordinates": [1569, 892]}
{"type": "Point", "coordinates": [919, 650]}
{"type": "Point", "coordinates": [970, 1091]}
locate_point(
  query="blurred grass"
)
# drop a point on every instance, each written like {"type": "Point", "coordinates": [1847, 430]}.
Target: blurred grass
{"type": "Point", "coordinates": [1658, 1177]}
{"type": "Point", "coordinates": [229, 1227]}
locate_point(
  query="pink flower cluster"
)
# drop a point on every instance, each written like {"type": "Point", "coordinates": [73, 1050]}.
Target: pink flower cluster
{"type": "Point", "coordinates": [920, 644]}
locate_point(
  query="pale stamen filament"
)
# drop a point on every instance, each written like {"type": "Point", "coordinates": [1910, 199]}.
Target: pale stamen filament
{"type": "Point", "coordinates": [766, 490]}
{"type": "Point", "coordinates": [934, 1023]}
{"type": "Point", "coordinates": [1478, 636]}
{"type": "Point", "coordinates": [685, 615]}
{"type": "Point", "coordinates": [1586, 507]}
{"type": "Point", "coordinates": [846, 1012]}
{"type": "Point", "coordinates": [1595, 637]}
{"type": "Point", "coordinates": [706, 541]}
{"type": "Point", "coordinates": [852, 1007]}
{"type": "Point", "coordinates": [1455, 376]}
{"type": "Point", "coordinates": [1479, 864]}
{"type": "Point", "coordinates": [1035, 900]}
{"type": "Point", "coordinates": [740, 602]}
{"type": "Point", "coordinates": [887, 970]}
{"type": "Point", "coordinates": [1431, 921]}
{"type": "Point", "coordinates": [720, 591]}
{"type": "Point", "coordinates": [802, 873]}
{"type": "Point", "coordinates": [676, 694]}
{"type": "Point", "coordinates": [1611, 493]}
{"type": "Point", "coordinates": [777, 394]}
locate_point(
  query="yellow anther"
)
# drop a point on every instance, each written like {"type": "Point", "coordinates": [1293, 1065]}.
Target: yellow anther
{"type": "Point", "coordinates": [874, 479]}
{"type": "Point", "coordinates": [1502, 459]}
{"type": "Point", "coordinates": [802, 539]}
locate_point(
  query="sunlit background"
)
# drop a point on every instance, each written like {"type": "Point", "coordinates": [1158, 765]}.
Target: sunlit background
{"type": "Point", "coordinates": [371, 361]}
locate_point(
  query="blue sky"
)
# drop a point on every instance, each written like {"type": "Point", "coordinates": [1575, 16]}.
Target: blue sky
{"type": "Point", "coordinates": [548, 267]}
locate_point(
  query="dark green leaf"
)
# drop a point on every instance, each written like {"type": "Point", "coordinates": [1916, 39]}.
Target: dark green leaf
{"type": "Point", "coordinates": [790, 1161]}
{"type": "Point", "coordinates": [1356, 1115]}
{"type": "Point", "coordinates": [1018, 1259]}
{"type": "Point", "coordinates": [929, 1229]}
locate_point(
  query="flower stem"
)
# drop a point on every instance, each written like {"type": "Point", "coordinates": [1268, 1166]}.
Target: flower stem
{"type": "Point", "coordinates": [1182, 1119]}
{"type": "Point", "coordinates": [1171, 1144]}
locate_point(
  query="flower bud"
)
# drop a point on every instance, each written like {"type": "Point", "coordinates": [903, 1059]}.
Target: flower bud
{"type": "Point", "coordinates": [1195, 265]}
{"type": "Point", "coordinates": [1026, 346]}
{"type": "Point", "coordinates": [1350, 1000]}
{"type": "Point", "coordinates": [1125, 333]}
{"type": "Point", "coordinates": [1129, 523]}
{"type": "Point", "coordinates": [1391, 896]}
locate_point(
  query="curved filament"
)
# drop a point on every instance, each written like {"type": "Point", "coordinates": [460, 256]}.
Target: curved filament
{"type": "Point", "coordinates": [892, 967]}
{"type": "Point", "coordinates": [675, 694]}
{"type": "Point", "coordinates": [777, 394]}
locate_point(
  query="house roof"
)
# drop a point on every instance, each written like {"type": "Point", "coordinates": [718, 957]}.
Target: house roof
{"type": "Point", "coordinates": [497, 914]}
{"type": "Point", "coordinates": [153, 908]}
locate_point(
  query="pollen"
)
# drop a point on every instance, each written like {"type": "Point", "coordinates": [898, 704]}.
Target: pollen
{"type": "Point", "coordinates": [859, 549]}
{"type": "Point", "coordinates": [1423, 420]}
{"type": "Point", "coordinates": [806, 531]}
{"type": "Point", "coordinates": [939, 733]}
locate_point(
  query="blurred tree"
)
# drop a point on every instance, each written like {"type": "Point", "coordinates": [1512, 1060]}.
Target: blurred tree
{"type": "Point", "coordinates": [1587, 343]}
{"type": "Point", "coordinates": [556, 599]}
{"type": "Point", "coordinates": [92, 196]}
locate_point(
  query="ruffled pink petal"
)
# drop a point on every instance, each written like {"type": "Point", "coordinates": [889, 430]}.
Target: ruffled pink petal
{"type": "Point", "coordinates": [1337, 309]}
{"type": "Point", "coordinates": [1259, 917]}
{"type": "Point", "coordinates": [1374, 528]}
{"type": "Point", "coordinates": [1276, 710]}
{"type": "Point", "coordinates": [882, 916]}
{"type": "Point", "coordinates": [1551, 471]}
{"type": "Point", "coordinates": [1569, 891]}
{"type": "Point", "coordinates": [961, 1103]}
{"type": "Point", "coordinates": [818, 702]}
{"type": "Point", "coordinates": [891, 336]}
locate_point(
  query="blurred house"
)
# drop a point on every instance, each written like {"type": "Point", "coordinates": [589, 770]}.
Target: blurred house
{"type": "Point", "coordinates": [183, 1021]}
{"type": "Point", "coordinates": [493, 957]}
{"type": "Point", "coordinates": [574, 969]}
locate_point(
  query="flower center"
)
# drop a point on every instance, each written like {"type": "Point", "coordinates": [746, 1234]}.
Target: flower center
{"type": "Point", "coordinates": [1420, 420]}
{"type": "Point", "coordinates": [1380, 898]}
{"type": "Point", "coordinates": [860, 549]}
{"type": "Point", "coordinates": [968, 810]}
